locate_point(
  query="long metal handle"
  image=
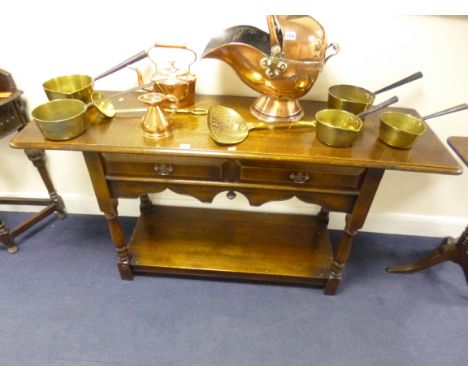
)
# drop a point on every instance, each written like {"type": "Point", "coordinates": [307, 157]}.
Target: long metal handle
{"type": "Point", "coordinates": [413, 77]}
{"type": "Point", "coordinates": [196, 111]}
{"type": "Point", "coordinates": [137, 57]}
{"type": "Point", "coordinates": [454, 109]}
{"type": "Point", "coordinates": [133, 110]}
{"type": "Point", "coordinates": [129, 91]}
{"type": "Point", "coordinates": [178, 111]}
{"type": "Point", "coordinates": [378, 107]}
{"type": "Point", "coordinates": [264, 125]}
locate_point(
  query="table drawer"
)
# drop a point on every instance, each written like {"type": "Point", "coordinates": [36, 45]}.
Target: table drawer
{"type": "Point", "coordinates": [173, 167]}
{"type": "Point", "coordinates": [300, 174]}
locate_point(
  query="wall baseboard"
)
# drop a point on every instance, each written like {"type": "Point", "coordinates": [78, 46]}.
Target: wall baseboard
{"type": "Point", "coordinates": [389, 223]}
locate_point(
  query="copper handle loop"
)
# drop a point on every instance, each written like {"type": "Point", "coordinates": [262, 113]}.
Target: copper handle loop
{"type": "Point", "coordinates": [173, 46]}
{"type": "Point", "coordinates": [272, 28]}
{"type": "Point", "coordinates": [173, 99]}
{"type": "Point", "coordinates": [163, 45]}
{"type": "Point", "coordinates": [336, 47]}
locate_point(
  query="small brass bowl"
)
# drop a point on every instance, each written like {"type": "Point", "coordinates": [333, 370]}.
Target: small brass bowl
{"type": "Point", "coordinates": [62, 119]}
{"type": "Point", "coordinates": [400, 130]}
{"type": "Point", "coordinates": [350, 98]}
{"type": "Point", "coordinates": [75, 86]}
{"type": "Point", "coordinates": [338, 128]}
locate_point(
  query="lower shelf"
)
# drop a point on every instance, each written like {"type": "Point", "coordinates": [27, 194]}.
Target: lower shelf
{"type": "Point", "coordinates": [231, 244]}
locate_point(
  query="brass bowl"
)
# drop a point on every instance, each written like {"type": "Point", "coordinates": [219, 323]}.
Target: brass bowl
{"type": "Point", "coordinates": [338, 128]}
{"type": "Point", "coordinates": [62, 119]}
{"type": "Point", "coordinates": [400, 130]}
{"type": "Point", "coordinates": [75, 86]}
{"type": "Point", "coordinates": [350, 98]}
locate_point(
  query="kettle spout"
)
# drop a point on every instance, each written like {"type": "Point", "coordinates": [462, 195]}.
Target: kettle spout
{"type": "Point", "coordinates": [141, 81]}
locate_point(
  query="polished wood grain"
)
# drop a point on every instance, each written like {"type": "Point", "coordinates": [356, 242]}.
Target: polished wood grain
{"type": "Point", "coordinates": [235, 244]}
{"type": "Point", "coordinates": [270, 165]}
{"type": "Point", "coordinates": [122, 135]}
{"type": "Point", "coordinates": [460, 146]}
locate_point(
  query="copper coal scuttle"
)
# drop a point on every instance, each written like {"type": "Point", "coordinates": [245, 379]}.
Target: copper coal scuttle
{"type": "Point", "coordinates": [281, 65]}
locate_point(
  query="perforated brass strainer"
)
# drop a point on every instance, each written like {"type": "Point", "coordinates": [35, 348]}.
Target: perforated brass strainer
{"type": "Point", "coordinates": [227, 127]}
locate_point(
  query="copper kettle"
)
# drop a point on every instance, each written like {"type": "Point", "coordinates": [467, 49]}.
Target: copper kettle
{"type": "Point", "coordinates": [173, 79]}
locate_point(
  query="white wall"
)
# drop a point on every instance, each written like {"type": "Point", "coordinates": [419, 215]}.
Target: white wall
{"type": "Point", "coordinates": [49, 38]}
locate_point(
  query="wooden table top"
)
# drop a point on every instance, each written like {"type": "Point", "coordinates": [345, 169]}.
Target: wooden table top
{"type": "Point", "coordinates": [122, 134]}
{"type": "Point", "coordinates": [460, 146]}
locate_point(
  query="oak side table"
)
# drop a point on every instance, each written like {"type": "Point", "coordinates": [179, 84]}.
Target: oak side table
{"type": "Point", "coordinates": [270, 165]}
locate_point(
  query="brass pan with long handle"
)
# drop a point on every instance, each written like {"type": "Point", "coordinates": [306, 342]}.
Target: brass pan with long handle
{"type": "Point", "coordinates": [81, 86]}
{"type": "Point", "coordinates": [400, 130]}
{"type": "Point", "coordinates": [356, 99]}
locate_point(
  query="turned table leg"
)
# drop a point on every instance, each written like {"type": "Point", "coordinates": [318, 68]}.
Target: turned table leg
{"type": "Point", "coordinates": [145, 204]}
{"type": "Point", "coordinates": [354, 221]}
{"type": "Point", "coordinates": [118, 239]}
{"type": "Point", "coordinates": [341, 257]}
{"type": "Point", "coordinates": [451, 250]}
{"type": "Point", "coordinates": [108, 205]}
{"type": "Point", "coordinates": [323, 215]}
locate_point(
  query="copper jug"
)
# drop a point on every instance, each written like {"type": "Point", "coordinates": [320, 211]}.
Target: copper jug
{"type": "Point", "coordinates": [157, 123]}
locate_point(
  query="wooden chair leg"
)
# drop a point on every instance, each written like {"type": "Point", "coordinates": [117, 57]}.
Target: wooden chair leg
{"type": "Point", "coordinates": [51, 205]}
{"type": "Point", "coordinates": [7, 239]}
{"type": "Point", "coordinates": [37, 157]}
{"type": "Point", "coordinates": [451, 250]}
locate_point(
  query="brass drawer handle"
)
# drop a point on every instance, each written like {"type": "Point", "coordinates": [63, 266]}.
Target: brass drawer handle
{"type": "Point", "coordinates": [299, 177]}
{"type": "Point", "coordinates": [163, 169]}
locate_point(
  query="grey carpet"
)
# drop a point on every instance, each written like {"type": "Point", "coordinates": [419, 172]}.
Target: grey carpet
{"type": "Point", "coordinates": [63, 303]}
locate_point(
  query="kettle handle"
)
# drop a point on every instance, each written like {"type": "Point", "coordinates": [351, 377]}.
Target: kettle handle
{"type": "Point", "coordinates": [173, 46]}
